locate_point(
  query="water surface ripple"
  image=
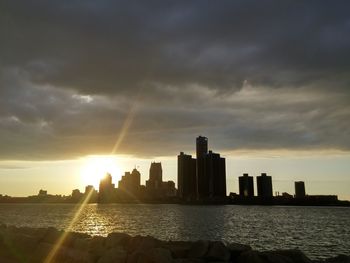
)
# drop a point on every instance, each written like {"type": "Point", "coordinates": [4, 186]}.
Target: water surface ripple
{"type": "Point", "coordinates": [318, 231]}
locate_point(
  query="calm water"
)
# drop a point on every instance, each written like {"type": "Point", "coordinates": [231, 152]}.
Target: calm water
{"type": "Point", "coordinates": [318, 231]}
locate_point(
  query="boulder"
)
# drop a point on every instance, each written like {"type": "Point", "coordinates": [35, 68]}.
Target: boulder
{"type": "Point", "coordinates": [236, 249]}
{"type": "Point", "coordinates": [114, 255]}
{"type": "Point", "coordinates": [338, 259]}
{"type": "Point", "coordinates": [142, 243]}
{"type": "Point", "coordinates": [155, 255]}
{"type": "Point", "coordinates": [51, 235]}
{"type": "Point", "coordinates": [250, 256]}
{"type": "Point", "coordinates": [117, 239]}
{"type": "Point", "coordinates": [96, 247]}
{"type": "Point", "coordinates": [275, 258]}
{"type": "Point", "coordinates": [81, 243]}
{"type": "Point", "coordinates": [179, 249]}
{"type": "Point", "coordinates": [198, 249]}
{"type": "Point", "coordinates": [137, 256]}
{"type": "Point", "coordinates": [294, 255]}
{"type": "Point", "coordinates": [218, 252]}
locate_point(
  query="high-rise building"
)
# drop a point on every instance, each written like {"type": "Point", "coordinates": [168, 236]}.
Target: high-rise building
{"type": "Point", "coordinates": [106, 189]}
{"type": "Point", "coordinates": [299, 189]}
{"type": "Point", "coordinates": [210, 174]}
{"type": "Point", "coordinates": [246, 186]}
{"type": "Point", "coordinates": [155, 176]}
{"type": "Point", "coordinates": [186, 177]}
{"type": "Point", "coordinates": [264, 184]}
{"type": "Point", "coordinates": [215, 176]}
{"type": "Point", "coordinates": [130, 183]}
{"type": "Point", "coordinates": [202, 180]}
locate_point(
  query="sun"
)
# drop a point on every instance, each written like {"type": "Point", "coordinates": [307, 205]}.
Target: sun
{"type": "Point", "coordinates": [95, 167]}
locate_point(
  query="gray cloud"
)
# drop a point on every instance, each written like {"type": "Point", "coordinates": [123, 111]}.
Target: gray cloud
{"type": "Point", "coordinates": [249, 74]}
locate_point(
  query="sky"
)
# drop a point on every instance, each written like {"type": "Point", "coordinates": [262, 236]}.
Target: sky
{"type": "Point", "coordinates": [266, 81]}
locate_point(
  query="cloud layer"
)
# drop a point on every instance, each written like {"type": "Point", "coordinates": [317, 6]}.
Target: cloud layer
{"type": "Point", "coordinates": [248, 74]}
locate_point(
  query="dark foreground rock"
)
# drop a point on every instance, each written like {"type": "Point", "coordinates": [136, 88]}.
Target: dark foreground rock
{"type": "Point", "coordinates": [36, 244]}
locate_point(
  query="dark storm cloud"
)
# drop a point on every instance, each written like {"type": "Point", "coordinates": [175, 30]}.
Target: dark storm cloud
{"type": "Point", "coordinates": [249, 74]}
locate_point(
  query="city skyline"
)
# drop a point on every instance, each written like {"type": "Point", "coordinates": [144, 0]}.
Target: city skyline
{"type": "Point", "coordinates": [84, 84]}
{"type": "Point", "coordinates": [201, 151]}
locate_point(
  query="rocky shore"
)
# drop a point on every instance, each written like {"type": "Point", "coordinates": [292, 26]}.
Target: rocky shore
{"type": "Point", "coordinates": [23, 244]}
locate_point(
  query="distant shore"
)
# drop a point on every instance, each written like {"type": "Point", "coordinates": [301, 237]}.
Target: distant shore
{"type": "Point", "coordinates": [229, 200]}
{"type": "Point", "coordinates": [24, 244]}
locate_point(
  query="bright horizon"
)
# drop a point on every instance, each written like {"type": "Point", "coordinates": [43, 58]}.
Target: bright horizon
{"type": "Point", "coordinates": [61, 177]}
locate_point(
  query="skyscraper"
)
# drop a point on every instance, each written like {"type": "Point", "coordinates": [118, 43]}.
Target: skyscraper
{"type": "Point", "coordinates": [106, 189]}
{"type": "Point", "coordinates": [246, 186]}
{"type": "Point", "coordinates": [155, 176]}
{"type": "Point", "coordinates": [210, 174]}
{"type": "Point", "coordinates": [215, 175]}
{"type": "Point", "coordinates": [186, 177]}
{"type": "Point", "coordinates": [129, 185]}
{"type": "Point", "coordinates": [264, 184]}
{"type": "Point", "coordinates": [202, 180]}
{"type": "Point", "coordinates": [299, 189]}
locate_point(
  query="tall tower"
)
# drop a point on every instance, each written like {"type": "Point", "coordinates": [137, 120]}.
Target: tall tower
{"type": "Point", "coordinates": [299, 189]}
{"type": "Point", "coordinates": [246, 186]}
{"type": "Point", "coordinates": [186, 177]}
{"type": "Point", "coordinates": [202, 181]}
{"type": "Point", "coordinates": [155, 176]}
{"type": "Point", "coordinates": [264, 183]}
{"type": "Point", "coordinates": [106, 189]}
{"type": "Point", "coordinates": [215, 174]}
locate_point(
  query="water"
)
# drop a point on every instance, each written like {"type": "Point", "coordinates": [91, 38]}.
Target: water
{"type": "Point", "coordinates": [318, 231]}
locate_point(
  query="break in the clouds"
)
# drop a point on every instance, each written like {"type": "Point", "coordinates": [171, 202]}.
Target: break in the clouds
{"type": "Point", "coordinates": [260, 75]}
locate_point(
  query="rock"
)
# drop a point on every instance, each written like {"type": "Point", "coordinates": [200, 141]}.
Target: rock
{"type": "Point", "coordinates": [117, 239]}
{"type": "Point", "coordinates": [81, 243]}
{"type": "Point", "coordinates": [141, 243]}
{"type": "Point", "coordinates": [338, 259]}
{"type": "Point", "coordinates": [114, 255]}
{"type": "Point", "coordinates": [295, 256]}
{"type": "Point", "coordinates": [236, 249]}
{"type": "Point", "coordinates": [275, 258]}
{"type": "Point", "coordinates": [160, 255]}
{"type": "Point", "coordinates": [250, 256]}
{"type": "Point", "coordinates": [66, 255]}
{"type": "Point", "coordinates": [51, 235]}
{"type": "Point", "coordinates": [179, 249]}
{"type": "Point", "coordinates": [218, 252]}
{"type": "Point", "coordinates": [198, 249]}
{"type": "Point", "coordinates": [155, 255]}
{"type": "Point", "coordinates": [96, 247]}
{"type": "Point", "coordinates": [41, 252]}
{"type": "Point", "coordinates": [134, 256]}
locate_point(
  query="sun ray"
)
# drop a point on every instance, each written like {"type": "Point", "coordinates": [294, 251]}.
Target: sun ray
{"type": "Point", "coordinates": [53, 253]}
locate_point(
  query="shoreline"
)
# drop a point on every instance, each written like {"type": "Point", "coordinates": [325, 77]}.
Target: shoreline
{"type": "Point", "coordinates": [26, 244]}
{"type": "Point", "coordinates": [340, 204]}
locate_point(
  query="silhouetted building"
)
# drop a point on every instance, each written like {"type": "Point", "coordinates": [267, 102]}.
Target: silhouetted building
{"type": "Point", "coordinates": [42, 193]}
{"type": "Point", "coordinates": [215, 176]}
{"type": "Point", "coordinates": [106, 189]}
{"type": "Point", "coordinates": [299, 189]}
{"type": "Point", "coordinates": [76, 195]}
{"type": "Point", "coordinates": [201, 177]}
{"type": "Point", "coordinates": [246, 185]}
{"type": "Point", "coordinates": [186, 177]}
{"type": "Point", "coordinates": [210, 174]}
{"type": "Point", "coordinates": [130, 183]}
{"type": "Point", "coordinates": [264, 184]}
{"type": "Point", "coordinates": [91, 193]}
{"type": "Point", "coordinates": [156, 189]}
{"type": "Point", "coordinates": [155, 176]}
{"type": "Point", "coordinates": [169, 189]}
{"type": "Point", "coordinates": [89, 189]}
